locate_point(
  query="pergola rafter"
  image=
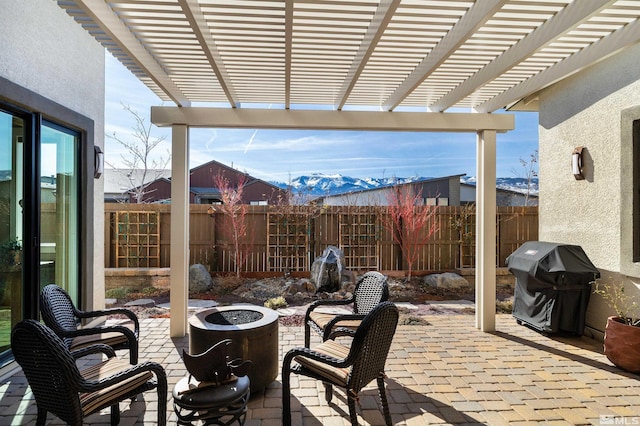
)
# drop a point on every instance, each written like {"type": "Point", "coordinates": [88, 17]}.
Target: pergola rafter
{"type": "Point", "coordinates": [385, 54]}
{"type": "Point", "coordinates": [121, 38]}
{"type": "Point", "coordinates": [561, 23]}
{"type": "Point", "coordinates": [353, 64]}
{"type": "Point", "coordinates": [477, 15]}
{"type": "Point", "coordinates": [198, 22]}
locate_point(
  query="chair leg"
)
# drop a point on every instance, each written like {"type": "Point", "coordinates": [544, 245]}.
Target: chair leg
{"type": "Point", "coordinates": [133, 353]}
{"type": "Point", "coordinates": [328, 392]}
{"type": "Point", "coordinates": [383, 400]}
{"type": "Point", "coordinates": [352, 411]}
{"type": "Point", "coordinates": [286, 390]}
{"type": "Point", "coordinates": [42, 417]}
{"type": "Point", "coordinates": [162, 387]}
{"type": "Point", "coordinates": [115, 414]}
{"type": "Point", "coordinates": [307, 335]}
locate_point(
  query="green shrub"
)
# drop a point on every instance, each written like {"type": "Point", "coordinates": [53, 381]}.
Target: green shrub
{"type": "Point", "coordinates": [276, 303]}
{"type": "Point", "coordinates": [118, 293]}
{"type": "Point", "coordinates": [504, 306]}
{"type": "Point", "coordinates": [152, 291]}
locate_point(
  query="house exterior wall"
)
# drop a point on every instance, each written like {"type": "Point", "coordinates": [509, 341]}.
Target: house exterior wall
{"type": "Point", "coordinates": [503, 197]}
{"type": "Point", "coordinates": [448, 188]}
{"type": "Point", "coordinates": [514, 199]}
{"type": "Point", "coordinates": [254, 190]}
{"type": "Point", "coordinates": [594, 109]}
{"type": "Point", "coordinates": [374, 197]}
{"type": "Point", "coordinates": [46, 52]}
{"type": "Point", "coordinates": [157, 190]}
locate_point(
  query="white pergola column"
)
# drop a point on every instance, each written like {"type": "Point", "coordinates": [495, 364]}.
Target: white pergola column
{"type": "Point", "coordinates": [179, 229]}
{"type": "Point", "coordinates": [486, 231]}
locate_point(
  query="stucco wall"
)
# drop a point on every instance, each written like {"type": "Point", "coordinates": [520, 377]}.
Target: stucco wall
{"type": "Point", "coordinates": [591, 109]}
{"type": "Point", "coordinates": [45, 51]}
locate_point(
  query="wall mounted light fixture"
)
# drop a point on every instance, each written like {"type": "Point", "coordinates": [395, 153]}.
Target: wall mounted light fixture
{"type": "Point", "coordinates": [576, 163]}
{"type": "Point", "coordinates": [98, 162]}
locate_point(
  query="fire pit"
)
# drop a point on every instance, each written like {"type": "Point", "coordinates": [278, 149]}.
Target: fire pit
{"type": "Point", "coordinates": [253, 331]}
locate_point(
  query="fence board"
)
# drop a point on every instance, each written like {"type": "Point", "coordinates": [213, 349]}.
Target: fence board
{"type": "Point", "coordinates": [289, 238]}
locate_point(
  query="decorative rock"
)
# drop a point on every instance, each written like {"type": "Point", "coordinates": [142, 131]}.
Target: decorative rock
{"type": "Point", "coordinates": [447, 281]}
{"type": "Point", "coordinates": [327, 270]}
{"type": "Point", "coordinates": [302, 286]}
{"type": "Point", "coordinates": [199, 279]}
{"type": "Point", "coordinates": [263, 291]}
{"type": "Point", "coordinates": [141, 302]}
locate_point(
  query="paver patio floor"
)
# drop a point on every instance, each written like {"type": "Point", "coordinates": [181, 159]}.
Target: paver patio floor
{"type": "Point", "coordinates": [444, 372]}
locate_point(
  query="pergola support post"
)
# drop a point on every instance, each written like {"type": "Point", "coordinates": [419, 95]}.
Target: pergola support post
{"type": "Point", "coordinates": [486, 231]}
{"type": "Point", "coordinates": [179, 229]}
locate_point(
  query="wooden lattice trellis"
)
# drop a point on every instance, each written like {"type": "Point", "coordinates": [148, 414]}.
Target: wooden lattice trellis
{"type": "Point", "coordinates": [137, 235]}
{"type": "Point", "coordinates": [288, 242]}
{"type": "Point", "coordinates": [359, 239]}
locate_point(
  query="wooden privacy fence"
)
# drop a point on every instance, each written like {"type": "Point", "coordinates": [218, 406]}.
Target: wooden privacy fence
{"type": "Point", "coordinates": [289, 238]}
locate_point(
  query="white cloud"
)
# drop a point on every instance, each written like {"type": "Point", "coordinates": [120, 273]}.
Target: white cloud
{"type": "Point", "coordinates": [285, 154]}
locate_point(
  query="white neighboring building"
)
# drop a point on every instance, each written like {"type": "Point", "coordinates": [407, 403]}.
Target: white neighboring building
{"type": "Point", "coordinates": [118, 182]}
{"type": "Point", "coordinates": [444, 191]}
{"type": "Point", "coordinates": [504, 197]}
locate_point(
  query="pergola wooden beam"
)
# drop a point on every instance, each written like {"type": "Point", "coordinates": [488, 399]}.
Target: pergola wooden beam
{"type": "Point", "coordinates": [245, 118]}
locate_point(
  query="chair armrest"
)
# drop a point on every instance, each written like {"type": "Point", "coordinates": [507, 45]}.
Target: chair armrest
{"type": "Point", "coordinates": [131, 336]}
{"type": "Point", "coordinates": [154, 367]}
{"type": "Point", "coordinates": [93, 349]}
{"type": "Point", "coordinates": [341, 332]}
{"type": "Point", "coordinates": [345, 317]}
{"type": "Point", "coordinates": [112, 311]}
{"type": "Point", "coordinates": [328, 302]}
{"type": "Point", "coordinates": [317, 356]}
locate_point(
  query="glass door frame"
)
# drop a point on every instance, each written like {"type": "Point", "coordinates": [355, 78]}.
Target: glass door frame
{"type": "Point", "coordinates": [34, 109]}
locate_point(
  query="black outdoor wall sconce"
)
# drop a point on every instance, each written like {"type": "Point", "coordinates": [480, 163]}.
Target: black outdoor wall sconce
{"type": "Point", "coordinates": [98, 162]}
{"type": "Point", "coordinates": [576, 163]}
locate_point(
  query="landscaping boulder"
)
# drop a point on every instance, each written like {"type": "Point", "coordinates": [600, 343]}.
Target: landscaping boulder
{"type": "Point", "coordinates": [300, 286]}
{"type": "Point", "coordinates": [446, 281]}
{"type": "Point", "coordinates": [199, 279]}
{"type": "Point", "coordinates": [327, 270]}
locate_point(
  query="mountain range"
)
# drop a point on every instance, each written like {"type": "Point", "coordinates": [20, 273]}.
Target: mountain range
{"type": "Point", "coordinates": [318, 184]}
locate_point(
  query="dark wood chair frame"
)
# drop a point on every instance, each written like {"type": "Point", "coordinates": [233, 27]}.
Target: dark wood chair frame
{"type": "Point", "coordinates": [366, 360]}
{"type": "Point", "coordinates": [60, 314]}
{"type": "Point", "coordinates": [51, 371]}
{"type": "Point", "coordinates": [371, 289]}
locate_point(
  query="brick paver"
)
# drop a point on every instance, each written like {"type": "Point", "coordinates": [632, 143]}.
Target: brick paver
{"type": "Point", "coordinates": [443, 372]}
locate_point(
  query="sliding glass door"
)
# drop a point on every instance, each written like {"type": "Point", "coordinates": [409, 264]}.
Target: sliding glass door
{"type": "Point", "coordinates": [39, 215]}
{"type": "Point", "coordinates": [59, 227]}
{"type": "Point", "coordinates": [12, 136]}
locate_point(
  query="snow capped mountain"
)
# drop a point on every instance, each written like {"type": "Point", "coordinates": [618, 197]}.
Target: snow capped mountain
{"type": "Point", "coordinates": [318, 184]}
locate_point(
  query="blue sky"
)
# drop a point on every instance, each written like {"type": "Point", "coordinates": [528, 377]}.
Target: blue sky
{"type": "Point", "coordinates": [281, 155]}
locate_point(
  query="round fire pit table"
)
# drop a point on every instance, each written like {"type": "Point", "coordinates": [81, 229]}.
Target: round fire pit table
{"type": "Point", "coordinates": [253, 331]}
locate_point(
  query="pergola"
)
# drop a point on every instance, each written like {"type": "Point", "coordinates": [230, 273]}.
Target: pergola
{"type": "Point", "coordinates": [405, 65]}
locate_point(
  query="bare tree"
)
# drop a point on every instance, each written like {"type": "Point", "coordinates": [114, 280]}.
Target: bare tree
{"type": "Point", "coordinates": [530, 172]}
{"type": "Point", "coordinates": [410, 224]}
{"type": "Point", "coordinates": [140, 166]}
{"type": "Point", "coordinates": [235, 212]}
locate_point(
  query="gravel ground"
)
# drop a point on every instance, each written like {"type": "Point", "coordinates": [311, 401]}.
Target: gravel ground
{"type": "Point", "coordinates": [257, 291]}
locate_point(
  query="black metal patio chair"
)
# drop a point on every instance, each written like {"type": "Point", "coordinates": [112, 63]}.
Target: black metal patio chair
{"type": "Point", "coordinates": [371, 289]}
{"type": "Point", "coordinates": [71, 394]}
{"type": "Point", "coordinates": [349, 367]}
{"type": "Point", "coordinates": [59, 313]}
